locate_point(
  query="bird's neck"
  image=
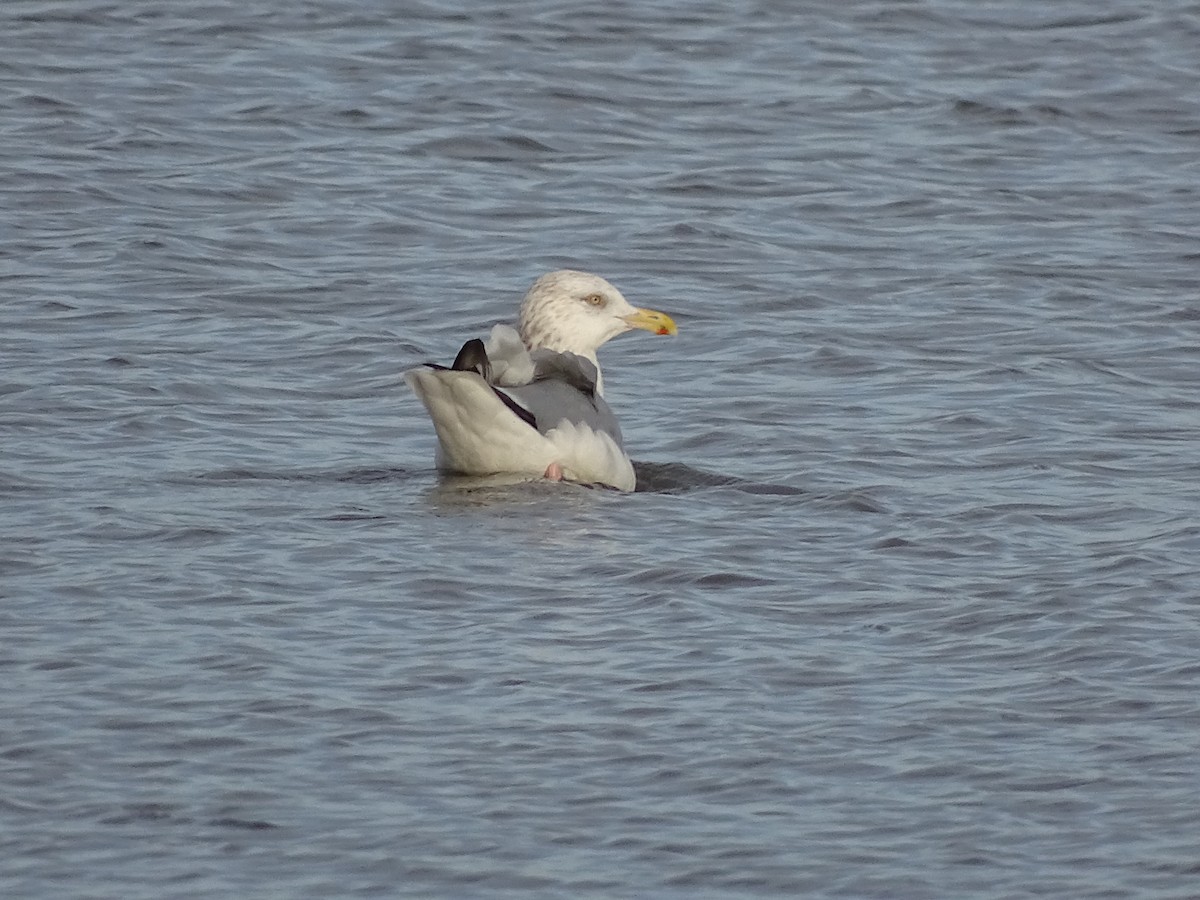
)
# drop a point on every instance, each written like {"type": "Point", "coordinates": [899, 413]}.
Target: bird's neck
{"type": "Point", "coordinates": [564, 347]}
{"type": "Point", "coordinates": [590, 356]}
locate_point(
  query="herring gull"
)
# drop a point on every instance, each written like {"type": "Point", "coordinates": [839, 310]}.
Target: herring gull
{"type": "Point", "coordinates": [531, 402]}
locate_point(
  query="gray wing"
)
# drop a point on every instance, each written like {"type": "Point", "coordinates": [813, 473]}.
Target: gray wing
{"type": "Point", "coordinates": [564, 388]}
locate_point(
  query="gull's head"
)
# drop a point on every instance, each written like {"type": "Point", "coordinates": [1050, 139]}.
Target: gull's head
{"type": "Point", "coordinates": [576, 312]}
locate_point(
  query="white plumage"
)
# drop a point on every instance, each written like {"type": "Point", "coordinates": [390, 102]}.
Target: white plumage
{"type": "Point", "coordinates": [532, 403]}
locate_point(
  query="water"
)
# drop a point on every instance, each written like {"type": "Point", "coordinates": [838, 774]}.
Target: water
{"type": "Point", "coordinates": [906, 605]}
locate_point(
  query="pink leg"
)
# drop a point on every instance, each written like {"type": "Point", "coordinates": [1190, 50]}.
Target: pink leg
{"type": "Point", "coordinates": [554, 472]}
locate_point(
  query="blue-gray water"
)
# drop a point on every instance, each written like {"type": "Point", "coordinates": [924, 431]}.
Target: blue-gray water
{"type": "Point", "coordinates": [907, 605]}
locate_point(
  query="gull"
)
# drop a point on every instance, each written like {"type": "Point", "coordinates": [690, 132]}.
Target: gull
{"type": "Point", "coordinates": [530, 401]}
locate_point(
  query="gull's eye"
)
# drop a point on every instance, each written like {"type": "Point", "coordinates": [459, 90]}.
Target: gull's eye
{"type": "Point", "coordinates": [594, 299]}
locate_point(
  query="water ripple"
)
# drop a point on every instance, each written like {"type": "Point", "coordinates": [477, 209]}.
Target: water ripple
{"type": "Point", "coordinates": [904, 604]}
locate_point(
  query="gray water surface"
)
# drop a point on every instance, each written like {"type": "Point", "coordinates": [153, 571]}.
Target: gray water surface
{"type": "Point", "coordinates": [906, 603]}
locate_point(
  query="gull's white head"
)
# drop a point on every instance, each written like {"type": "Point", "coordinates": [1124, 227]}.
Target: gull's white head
{"type": "Point", "coordinates": [575, 312]}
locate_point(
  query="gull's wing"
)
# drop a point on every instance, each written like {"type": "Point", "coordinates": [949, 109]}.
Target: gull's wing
{"type": "Point", "coordinates": [488, 424]}
{"type": "Point", "coordinates": [563, 389]}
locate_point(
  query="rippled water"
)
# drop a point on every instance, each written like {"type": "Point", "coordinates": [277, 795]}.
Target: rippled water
{"type": "Point", "coordinates": [906, 604]}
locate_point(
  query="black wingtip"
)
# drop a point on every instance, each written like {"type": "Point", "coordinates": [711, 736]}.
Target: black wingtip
{"type": "Point", "coordinates": [473, 358]}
